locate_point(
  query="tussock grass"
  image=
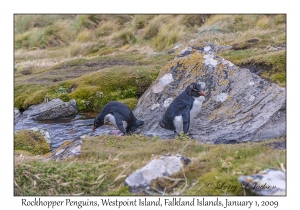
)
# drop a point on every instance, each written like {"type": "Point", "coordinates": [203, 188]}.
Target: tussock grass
{"type": "Point", "coordinates": [56, 34]}
{"type": "Point", "coordinates": [106, 161]}
{"type": "Point", "coordinates": [168, 34]}
{"type": "Point", "coordinates": [106, 28]}
{"type": "Point", "coordinates": [84, 35]}
{"type": "Point", "coordinates": [122, 37]}
{"type": "Point", "coordinates": [84, 48]}
{"type": "Point", "coordinates": [26, 22]}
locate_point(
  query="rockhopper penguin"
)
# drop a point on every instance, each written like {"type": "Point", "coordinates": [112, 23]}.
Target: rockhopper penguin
{"type": "Point", "coordinates": [183, 109]}
{"type": "Point", "coordinates": [120, 116]}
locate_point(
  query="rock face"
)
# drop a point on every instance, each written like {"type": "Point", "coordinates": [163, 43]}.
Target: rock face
{"type": "Point", "coordinates": [239, 105]}
{"type": "Point", "coordinates": [158, 167]}
{"type": "Point", "coordinates": [51, 110]}
{"type": "Point", "coordinates": [267, 182]}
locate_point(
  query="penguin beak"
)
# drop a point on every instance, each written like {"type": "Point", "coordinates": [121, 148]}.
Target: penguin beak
{"type": "Point", "coordinates": [201, 93]}
{"type": "Point", "coordinates": [94, 128]}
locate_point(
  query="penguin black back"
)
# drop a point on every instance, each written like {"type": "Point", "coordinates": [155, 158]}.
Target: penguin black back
{"type": "Point", "coordinates": [119, 115]}
{"type": "Point", "coordinates": [177, 116]}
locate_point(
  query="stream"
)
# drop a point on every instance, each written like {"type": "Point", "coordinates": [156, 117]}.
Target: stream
{"type": "Point", "coordinates": [65, 129]}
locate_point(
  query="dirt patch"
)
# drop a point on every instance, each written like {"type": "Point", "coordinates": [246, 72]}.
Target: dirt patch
{"type": "Point", "coordinates": [245, 45]}
{"type": "Point", "coordinates": [278, 144]}
{"type": "Point", "coordinates": [256, 68]}
{"type": "Point", "coordinates": [70, 71]}
{"type": "Point", "coordinates": [98, 64]}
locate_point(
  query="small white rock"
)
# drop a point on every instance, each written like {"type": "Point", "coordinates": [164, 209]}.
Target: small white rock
{"type": "Point", "coordinates": [154, 106]}
{"type": "Point", "coordinates": [167, 102]}
{"type": "Point", "coordinates": [207, 48]}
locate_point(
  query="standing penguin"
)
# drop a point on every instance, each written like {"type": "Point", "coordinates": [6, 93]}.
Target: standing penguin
{"type": "Point", "coordinates": [119, 115]}
{"type": "Point", "coordinates": [183, 109]}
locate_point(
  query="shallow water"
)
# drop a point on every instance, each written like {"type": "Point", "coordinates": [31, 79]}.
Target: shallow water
{"type": "Point", "coordinates": [65, 129]}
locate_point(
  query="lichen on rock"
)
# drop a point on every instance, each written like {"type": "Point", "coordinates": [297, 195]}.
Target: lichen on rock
{"type": "Point", "coordinates": [159, 166]}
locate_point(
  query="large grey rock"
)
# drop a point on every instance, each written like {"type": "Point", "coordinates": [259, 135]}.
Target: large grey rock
{"type": "Point", "coordinates": [53, 109]}
{"type": "Point", "coordinates": [158, 167]}
{"type": "Point", "coordinates": [267, 182]}
{"type": "Point", "coordinates": [239, 106]}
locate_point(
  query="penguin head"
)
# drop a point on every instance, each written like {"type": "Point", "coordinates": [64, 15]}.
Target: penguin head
{"type": "Point", "coordinates": [195, 90]}
{"type": "Point", "coordinates": [97, 123]}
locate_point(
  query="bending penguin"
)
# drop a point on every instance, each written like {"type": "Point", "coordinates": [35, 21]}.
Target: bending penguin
{"type": "Point", "coordinates": [183, 109]}
{"type": "Point", "coordinates": [120, 116]}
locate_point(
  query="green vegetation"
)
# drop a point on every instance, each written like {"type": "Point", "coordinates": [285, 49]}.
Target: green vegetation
{"type": "Point", "coordinates": [31, 141]}
{"type": "Point", "coordinates": [106, 161]}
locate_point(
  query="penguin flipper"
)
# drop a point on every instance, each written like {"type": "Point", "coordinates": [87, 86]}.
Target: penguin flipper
{"type": "Point", "coordinates": [186, 119]}
{"type": "Point", "coordinates": [119, 123]}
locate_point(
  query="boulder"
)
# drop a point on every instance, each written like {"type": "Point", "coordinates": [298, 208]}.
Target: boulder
{"type": "Point", "coordinates": [267, 182]}
{"type": "Point", "coordinates": [53, 109]}
{"type": "Point", "coordinates": [68, 149]}
{"type": "Point", "coordinates": [239, 105]}
{"type": "Point", "coordinates": [158, 167]}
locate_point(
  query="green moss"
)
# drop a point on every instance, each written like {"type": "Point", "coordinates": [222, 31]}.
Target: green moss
{"type": "Point", "coordinates": [122, 191]}
{"type": "Point", "coordinates": [130, 102]}
{"type": "Point", "coordinates": [29, 94]}
{"type": "Point", "coordinates": [117, 83]}
{"type": "Point", "coordinates": [279, 78]}
{"type": "Point", "coordinates": [31, 141]}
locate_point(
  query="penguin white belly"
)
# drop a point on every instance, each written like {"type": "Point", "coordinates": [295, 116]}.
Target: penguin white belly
{"type": "Point", "coordinates": [110, 119]}
{"type": "Point", "coordinates": [195, 109]}
{"type": "Point", "coordinates": [124, 124]}
{"type": "Point", "coordinates": [178, 123]}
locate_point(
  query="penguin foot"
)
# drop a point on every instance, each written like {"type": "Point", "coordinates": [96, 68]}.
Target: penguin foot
{"type": "Point", "coordinates": [116, 132]}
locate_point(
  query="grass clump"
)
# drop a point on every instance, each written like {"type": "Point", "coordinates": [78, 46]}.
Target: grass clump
{"type": "Point", "coordinates": [167, 36]}
{"type": "Point", "coordinates": [32, 142]}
